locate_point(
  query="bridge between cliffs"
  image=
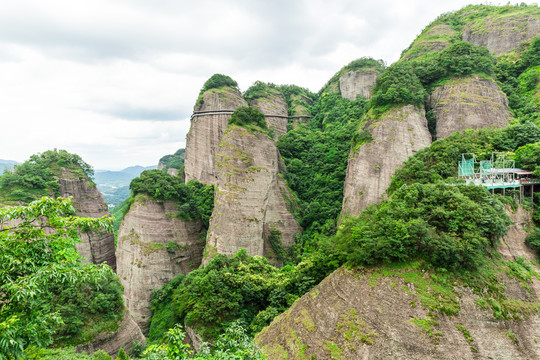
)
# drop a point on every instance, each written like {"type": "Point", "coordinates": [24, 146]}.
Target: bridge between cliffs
{"type": "Point", "coordinates": [229, 112]}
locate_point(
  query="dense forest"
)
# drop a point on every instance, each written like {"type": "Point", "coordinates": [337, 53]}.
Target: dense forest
{"type": "Point", "coordinates": [51, 300]}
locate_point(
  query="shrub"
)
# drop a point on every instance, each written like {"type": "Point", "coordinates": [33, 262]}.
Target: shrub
{"type": "Point", "coordinates": [217, 81]}
{"type": "Point", "coordinates": [249, 118]}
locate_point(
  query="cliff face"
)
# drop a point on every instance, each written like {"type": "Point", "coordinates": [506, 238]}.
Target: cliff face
{"type": "Point", "coordinates": [96, 248]}
{"type": "Point", "coordinates": [397, 135]}
{"type": "Point", "coordinates": [206, 132]}
{"type": "Point", "coordinates": [375, 314]}
{"type": "Point", "coordinates": [249, 198]}
{"type": "Point", "coordinates": [127, 335]}
{"type": "Point", "coordinates": [502, 34]}
{"type": "Point", "coordinates": [470, 102]}
{"type": "Point", "coordinates": [276, 105]}
{"type": "Point", "coordinates": [357, 83]}
{"type": "Point", "coordinates": [153, 247]}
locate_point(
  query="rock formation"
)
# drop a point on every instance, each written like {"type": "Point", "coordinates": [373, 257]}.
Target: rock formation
{"type": "Point", "coordinates": [353, 84]}
{"type": "Point", "coordinates": [127, 335]}
{"type": "Point", "coordinates": [95, 247]}
{"type": "Point", "coordinates": [153, 247]}
{"type": "Point", "coordinates": [371, 314]}
{"type": "Point", "coordinates": [206, 132]}
{"type": "Point", "coordinates": [249, 198]}
{"type": "Point", "coordinates": [275, 110]}
{"type": "Point", "coordinates": [433, 39]}
{"type": "Point", "coordinates": [502, 34]}
{"type": "Point", "coordinates": [397, 135]}
{"type": "Point", "coordinates": [470, 102]}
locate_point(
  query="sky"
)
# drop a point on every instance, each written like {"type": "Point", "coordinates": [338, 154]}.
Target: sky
{"type": "Point", "coordinates": [115, 81]}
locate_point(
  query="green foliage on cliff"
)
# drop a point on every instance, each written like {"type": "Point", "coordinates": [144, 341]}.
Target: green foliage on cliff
{"type": "Point", "coordinates": [46, 293]}
{"type": "Point", "coordinates": [217, 81]}
{"type": "Point", "coordinates": [261, 89]}
{"type": "Point", "coordinates": [173, 161]}
{"type": "Point", "coordinates": [249, 118]}
{"type": "Point", "coordinates": [398, 85]}
{"type": "Point", "coordinates": [195, 200]}
{"type": "Point", "coordinates": [38, 176]}
{"type": "Point", "coordinates": [450, 227]}
{"type": "Point", "coordinates": [242, 287]}
{"type": "Point", "coordinates": [315, 157]}
{"type": "Point", "coordinates": [234, 343]}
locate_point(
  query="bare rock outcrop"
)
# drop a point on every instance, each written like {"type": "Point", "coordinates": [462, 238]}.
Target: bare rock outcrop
{"type": "Point", "coordinates": [206, 131]}
{"type": "Point", "coordinates": [127, 335]}
{"type": "Point", "coordinates": [400, 133]}
{"type": "Point", "coordinates": [502, 34]}
{"type": "Point", "coordinates": [275, 110]}
{"type": "Point", "coordinates": [153, 247]}
{"type": "Point", "coordinates": [357, 83]}
{"type": "Point", "coordinates": [469, 102]}
{"type": "Point", "coordinates": [513, 244]}
{"type": "Point", "coordinates": [355, 315]}
{"type": "Point", "coordinates": [249, 197]}
{"type": "Point", "coordinates": [88, 201]}
{"type": "Point", "coordinates": [373, 314]}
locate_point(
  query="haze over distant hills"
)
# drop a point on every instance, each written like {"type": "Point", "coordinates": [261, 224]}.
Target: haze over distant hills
{"type": "Point", "coordinates": [4, 164]}
{"type": "Point", "coordinates": [114, 185]}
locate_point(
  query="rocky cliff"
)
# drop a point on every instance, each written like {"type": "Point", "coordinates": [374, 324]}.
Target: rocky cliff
{"type": "Point", "coordinates": [398, 134]}
{"type": "Point", "coordinates": [127, 335]}
{"type": "Point", "coordinates": [353, 84]}
{"type": "Point", "coordinates": [469, 102]}
{"type": "Point", "coordinates": [96, 248]}
{"type": "Point", "coordinates": [153, 247]}
{"type": "Point", "coordinates": [502, 34]}
{"type": "Point", "coordinates": [250, 196]}
{"type": "Point", "coordinates": [389, 313]}
{"type": "Point", "coordinates": [275, 110]}
{"type": "Point", "coordinates": [206, 131]}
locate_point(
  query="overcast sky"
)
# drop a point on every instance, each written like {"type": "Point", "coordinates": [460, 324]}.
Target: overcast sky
{"type": "Point", "coordinates": [115, 81]}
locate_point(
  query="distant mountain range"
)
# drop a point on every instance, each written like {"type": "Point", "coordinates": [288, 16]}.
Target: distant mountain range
{"type": "Point", "coordinates": [114, 185]}
{"type": "Point", "coordinates": [4, 164]}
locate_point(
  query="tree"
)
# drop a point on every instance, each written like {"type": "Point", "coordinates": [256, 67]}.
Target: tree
{"type": "Point", "coordinates": [37, 254]}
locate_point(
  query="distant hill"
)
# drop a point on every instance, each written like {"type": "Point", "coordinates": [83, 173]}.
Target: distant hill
{"type": "Point", "coordinates": [114, 185]}
{"type": "Point", "coordinates": [4, 164]}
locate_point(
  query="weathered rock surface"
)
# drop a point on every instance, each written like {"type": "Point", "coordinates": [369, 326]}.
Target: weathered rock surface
{"type": "Point", "coordinates": [357, 83]}
{"type": "Point", "coordinates": [153, 247]}
{"type": "Point", "coordinates": [249, 197]}
{"type": "Point", "coordinates": [513, 244]}
{"type": "Point", "coordinates": [366, 315]}
{"type": "Point", "coordinates": [206, 132]}
{"type": "Point", "coordinates": [470, 102]}
{"type": "Point", "coordinates": [275, 110]}
{"type": "Point", "coordinates": [127, 335]}
{"type": "Point", "coordinates": [433, 39]}
{"type": "Point", "coordinates": [96, 248]}
{"type": "Point", "coordinates": [502, 34]}
{"type": "Point", "coordinates": [397, 135]}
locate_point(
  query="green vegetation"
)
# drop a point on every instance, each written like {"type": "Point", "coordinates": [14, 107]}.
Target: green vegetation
{"type": "Point", "coordinates": [217, 81]}
{"type": "Point", "coordinates": [249, 118]}
{"type": "Point", "coordinates": [315, 157]}
{"type": "Point", "coordinates": [39, 175]}
{"type": "Point", "coordinates": [34, 353]}
{"type": "Point", "coordinates": [47, 294]}
{"type": "Point", "coordinates": [173, 161]}
{"type": "Point", "coordinates": [195, 200]}
{"type": "Point", "coordinates": [450, 227]}
{"type": "Point", "coordinates": [242, 287]}
{"type": "Point", "coordinates": [234, 343]}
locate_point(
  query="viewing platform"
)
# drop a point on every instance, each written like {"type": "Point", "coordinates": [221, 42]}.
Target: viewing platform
{"type": "Point", "coordinates": [497, 173]}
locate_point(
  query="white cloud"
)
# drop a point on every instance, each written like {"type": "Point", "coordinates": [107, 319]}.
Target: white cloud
{"type": "Point", "coordinates": [115, 81]}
